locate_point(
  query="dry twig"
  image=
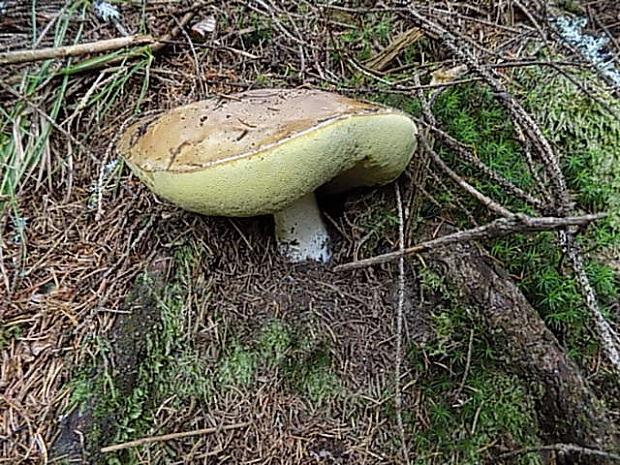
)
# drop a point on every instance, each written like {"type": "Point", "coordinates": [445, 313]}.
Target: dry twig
{"type": "Point", "coordinates": [398, 395]}
{"type": "Point", "coordinates": [609, 337]}
{"type": "Point", "coordinates": [483, 199]}
{"type": "Point", "coordinates": [154, 47]}
{"type": "Point", "coordinates": [518, 223]}
{"type": "Point", "coordinates": [564, 449]}
{"type": "Point", "coordinates": [168, 437]}
{"type": "Point", "coordinates": [562, 201]}
{"type": "Point", "coordinates": [25, 56]}
{"type": "Point", "coordinates": [469, 157]}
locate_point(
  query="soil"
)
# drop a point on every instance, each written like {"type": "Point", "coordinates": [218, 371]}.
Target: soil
{"type": "Point", "coordinates": [247, 285]}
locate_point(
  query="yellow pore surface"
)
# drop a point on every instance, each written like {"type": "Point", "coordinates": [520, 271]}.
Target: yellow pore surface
{"type": "Point", "coordinates": [283, 148]}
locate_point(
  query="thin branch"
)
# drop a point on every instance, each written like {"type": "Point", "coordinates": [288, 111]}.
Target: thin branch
{"type": "Point", "coordinates": [590, 93]}
{"type": "Point", "coordinates": [198, 70]}
{"type": "Point", "coordinates": [168, 437]}
{"type": "Point", "coordinates": [535, 23]}
{"type": "Point", "coordinates": [25, 56]}
{"type": "Point", "coordinates": [529, 159]}
{"type": "Point", "coordinates": [394, 88]}
{"type": "Point", "coordinates": [398, 395]}
{"type": "Point", "coordinates": [564, 448]}
{"type": "Point", "coordinates": [428, 114]}
{"type": "Point", "coordinates": [155, 47]}
{"type": "Point", "coordinates": [470, 158]}
{"type": "Point", "coordinates": [562, 202]}
{"type": "Point", "coordinates": [562, 198]}
{"type": "Point", "coordinates": [485, 200]}
{"type": "Point", "coordinates": [470, 346]}
{"type": "Point", "coordinates": [606, 334]}
{"type": "Point", "coordinates": [518, 223]}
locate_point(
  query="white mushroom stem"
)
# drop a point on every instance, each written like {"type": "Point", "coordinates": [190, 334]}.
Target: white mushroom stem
{"type": "Point", "coordinates": [301, 233]}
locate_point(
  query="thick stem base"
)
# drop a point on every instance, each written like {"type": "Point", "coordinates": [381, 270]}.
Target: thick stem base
{"type": "Point", "coordinates": [301, 233]}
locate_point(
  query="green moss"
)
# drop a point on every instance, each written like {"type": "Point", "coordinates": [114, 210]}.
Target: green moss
{"type": "Point", "coordinates": [473, 117]}
{"type": "Point", "coordinates": [275, 342]}
{"type": "Point", "coordinates": [237, 366]}
{"type": "Point", "coordinates": [300, 364]}
{"type": "Point", "coordinates": [309, 372]}
{"type": "Point", "coordinates": [587, 134]}
{"type": "Point", "coordinates": [588, 140]}
{"type": "Point", "coordinates": [360, 41]}
{"type": "Point", "coordinates": [467, 405]}
{"type": "Point", "coordinates": [494, 408]}
{"type": "Point", "coordinates": [151, 360]}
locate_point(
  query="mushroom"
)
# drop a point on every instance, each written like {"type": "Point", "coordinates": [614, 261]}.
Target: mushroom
{"type": "Point", "coordinates": [266, 152]}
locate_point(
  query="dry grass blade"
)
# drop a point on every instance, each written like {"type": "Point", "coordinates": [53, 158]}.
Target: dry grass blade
{"type": "Point", "coordinates": [49, 119]}
{"type": "Point", "coordinates": [381, 60]}
{"type": "Point", "coordinates": [172, 436]}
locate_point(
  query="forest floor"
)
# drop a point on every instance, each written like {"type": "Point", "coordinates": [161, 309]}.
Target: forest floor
{"type": "Point", "coordinates": [124, 318]}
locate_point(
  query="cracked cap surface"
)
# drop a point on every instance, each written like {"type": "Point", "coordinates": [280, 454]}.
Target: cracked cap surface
{"type": "Point", "coordinates": [257, 152]}
{"type": "Point", "coordinates": [228, 128]}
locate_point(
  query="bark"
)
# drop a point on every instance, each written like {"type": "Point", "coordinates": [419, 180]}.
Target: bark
{"type": "Point", "coordinates": [568, 411]}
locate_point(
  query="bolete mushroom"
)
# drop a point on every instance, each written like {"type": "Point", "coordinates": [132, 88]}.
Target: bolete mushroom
{"type": "Point", "coordinates": [266, 152]}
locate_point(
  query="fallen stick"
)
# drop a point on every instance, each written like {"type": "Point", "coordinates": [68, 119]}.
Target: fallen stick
{"type": "Point", "coordinates": [562, 448]}
{"type": "Point", "coordinates": [25, 56]}
{"type": "Point", "coordinates": [518, 223]}
{"type": "Point", "coordinates": [168, 437]}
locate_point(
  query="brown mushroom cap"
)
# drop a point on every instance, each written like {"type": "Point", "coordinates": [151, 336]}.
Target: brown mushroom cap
{"type": "Point", "coordinates": [257, 152]}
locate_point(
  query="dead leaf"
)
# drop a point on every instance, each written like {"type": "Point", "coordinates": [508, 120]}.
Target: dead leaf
{"type": "Point", "coordinates": [204, 27]}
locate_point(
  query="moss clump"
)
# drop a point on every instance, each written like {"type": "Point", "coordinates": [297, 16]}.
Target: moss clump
{"type": "Point", "coordinates": [238, 366]}
{"type": "Point", "coordinates": [309, 372]}
{"type": "Point", "coordinates": [588, 140]}
{"type": "Point", "coordinates": [588, 134]}
{"type": "Point", "coordinates": [492, 406]}
{"type": "Point", "coordinates": [149, 359]}
{"type": "Point", "coordinates": [298, 363]}
{"type": "Point", "coordinates": [468, 401]}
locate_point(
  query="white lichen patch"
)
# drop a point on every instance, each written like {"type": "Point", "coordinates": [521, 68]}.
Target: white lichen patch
{"type": "Point", "coordinates": [593, 49]}
{"type": "Point", "coordinates": [97, 186]}
{"type": "Point", "coordinates": [106, 11]}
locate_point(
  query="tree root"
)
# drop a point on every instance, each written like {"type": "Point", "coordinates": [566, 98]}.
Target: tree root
{"type": "Point", "coordinates": [569, 412]}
